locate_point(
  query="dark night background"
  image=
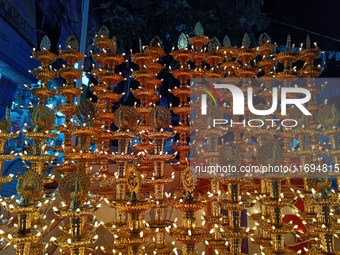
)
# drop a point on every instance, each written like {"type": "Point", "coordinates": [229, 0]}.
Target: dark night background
{"type": "Point", "coordinates": [132, 19]}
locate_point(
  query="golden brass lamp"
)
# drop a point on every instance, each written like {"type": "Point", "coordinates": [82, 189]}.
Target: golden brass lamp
{"type": "Point", "coordinates": [183, 55]}
{"type": "Point", "coordinates": [105, 73]}
{"type": "Point", "coordinates": [136, 233]}
{"type": "Point", "coordinates": [107, 60]}
{"type": "Point", "coordinates": [160, 120]}
{"type": "Point", "coordinates": [74, 184]}
{"type": "Point", "coordinates": [78, 234]}
{"type": "Point", "coordinates": [246, 54]}
{"type": "Point", "coordinates": [230, 61]}
{"type": "Point", "coordinates": [189, 234]}
{"type": "Point", "coordinates": [287, 58]}
{"type": "Point", "coordinates": [152, 131]}
{"type": "Point", "coordinates": [68, 108]}
{"type": "Point", "coordinates": [125, 118]}
{"type": "Point", "coordinates": [183, 74]}
{"type": "Point", "coordinates": [266, 49]}
{"type": "Point", "coordinates": [308, 56]}
{"type": "Point", "coordinates": [4, 136]}
{"type": "Point", "coordinates": [199, 40]}
{"type": "Point", "coordinates": [44, 73]}
{"type": "Point", "coordinates": [148, 96]}
{"type": "Point", "coordinates": [27, 236]}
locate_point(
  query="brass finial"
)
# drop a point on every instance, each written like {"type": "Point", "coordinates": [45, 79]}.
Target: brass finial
{"type": "Point", "coordinates": [72, 43]}
{"type": "Point", "coordinates": [45, 44]}
{"type": "Point", "coordinates": [103, 32]}
{"type": "Point", "coordinates": [182, 42]}
{"type": "Point", "coordinates": [199, 30]}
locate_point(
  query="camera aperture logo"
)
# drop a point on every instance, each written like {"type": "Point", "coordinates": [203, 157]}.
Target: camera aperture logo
{"type": "Point", "coordinates": [239, 105]}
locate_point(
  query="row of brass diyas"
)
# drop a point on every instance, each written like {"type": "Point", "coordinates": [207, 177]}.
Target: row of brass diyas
{"type": "Point", "coordinates": [320, 200]}
{"type": "Point", "coordinates": [285, 59]}
{"type": "Point", "coordinates": [275, 200]}
{"type": "Point", "coordinates": [304, 153]}
{"type": "Point", "coordinates": [245, 54]}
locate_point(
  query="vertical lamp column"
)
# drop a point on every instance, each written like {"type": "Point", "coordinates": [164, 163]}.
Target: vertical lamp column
{"type": "Point", "coordinates": [78, 234]}
{"type": "Point", "coordinates": [277, 228]}
{"type": "Point", "coordinates": [214, 155]}
{"type": "Point", "coordinates": [68, 108]}
{"type": "Point", "coordinates": [4, 136]}
{"type": "Point", "coordinates": [136, 234]}
{"type": "Point", "coordinates": [148, 95]}
{"type": "Point", "coordinates": [183, 74]}
{"type": "Point", "coordinates": [160, 119]}
{"type": "Point", "coordinates": [107, 77]}
{"type": "Point", "coordinates": [125, 120]}
{"type": "Point", "coordinates": [189, 235]}
{"type": "Point", "coordinates": [25, 235]}
{"type": "Point", "coordinates": [31, 227]}
{"type": "Point", "coordinates": [232, 201]}
{"type": "Point", "coordinates": [74, 186]}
